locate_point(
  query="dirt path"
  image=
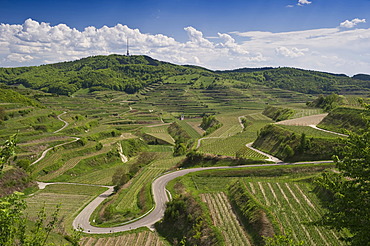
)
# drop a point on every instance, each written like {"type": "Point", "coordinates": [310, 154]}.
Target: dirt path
{"type": "Point", "coordinates": [201, 139]}
{"type": "Point", "coordinates": [304, 121]}
{"type": "Point", "coordinates": [65, 122]}
{"type": "Point", "coordinates": [269, 157]}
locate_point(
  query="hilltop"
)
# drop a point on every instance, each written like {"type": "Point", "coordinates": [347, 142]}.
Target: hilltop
{"type": "Point", "coordinates": [133, 73]}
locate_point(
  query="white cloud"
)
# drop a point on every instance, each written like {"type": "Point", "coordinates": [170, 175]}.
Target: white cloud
{"type": "Point", "coordinates": [352, 23]}
{"type": "Point", "coordinates": [328, 49]}
{"type": "Point", "coordinates": [293, 52]}
{"type": "Point", "coordinates": [303, 2]}
{"type": "Point", "coordinates": [196, 38]}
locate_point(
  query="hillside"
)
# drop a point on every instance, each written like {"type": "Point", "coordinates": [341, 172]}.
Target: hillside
{"type": "Point", "coordinates": [132, 73]}
{"type": "Point", "coordinates": [304, 81]}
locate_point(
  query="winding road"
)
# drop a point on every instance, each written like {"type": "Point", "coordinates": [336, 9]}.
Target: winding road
{"type": "Point", "coordinates": [158, 190]}
{"type": "Point", "coordinates": [160, 200]}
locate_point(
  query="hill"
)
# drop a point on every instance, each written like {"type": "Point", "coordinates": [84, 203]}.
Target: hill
{"type": "Point", "coordinates": [304, 81]}
{"type": "Point", "coordinates": [133, 73]}
{"type": "Point", "coordinates": [113, 72]}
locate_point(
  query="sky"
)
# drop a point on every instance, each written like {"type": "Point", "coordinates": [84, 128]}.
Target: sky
{"type": "Point", "coordinates": [324, 35]}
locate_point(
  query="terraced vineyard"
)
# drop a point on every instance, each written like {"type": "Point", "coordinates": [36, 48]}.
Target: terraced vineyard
{"type": "Point", "coordinates": [224, 218]}
{"type": "Point", "coordinates": [296, 208]}
{"type": "Point", "coordinates": [159, 132]}
{"type": "Point", "coordinates": [127, 198]}
{"type": "Point", "coordinates": [71, 198]}
{"type": "Point", "coordinates": [310, 132]}
{"type": "Point", "coordinates": [230, 146]}
{"type": "Point", "coordinates": [145, 238]}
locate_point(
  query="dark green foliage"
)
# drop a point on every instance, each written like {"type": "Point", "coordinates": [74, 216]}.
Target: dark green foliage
{"type": "Point", "coordinates": [7, 151]}
{"type": "Point", "coordinates": [246, 123]}
{"type": "Point", "coordinates": [10, 96]}
{"type": "Point", "coordinates": [13, 223]}
{"type": "Point", "coordinates": [131, 147]}
{"type": "Point", "coordinates": [210, 124]}
{"type": "Point", "coordinates": [98, 146]}
{"type": "Point", "coordinates": [24, 164]}
{"type": "Point", "coordinates": [278, 114]}
{"type": "Point", "coordinates": [3, 115]}
{"type": "Point", "coordinates": [255, 219]}
{"type": "Point", "coordinates": [119, 178]}
{"type": "Point", "coordinates": [182, 139]}
{"type": "Point", "coordinates": [362, 77]}
{"type": "Point", "coordinates": [113, 72]}
{"type": "Point", "coordinates": [287, 146]}
{"type": "Point", "coordinates": [345, 119]}
{"type": "Point", "coordinates": [350, 189]}
{"type": "Point", "coordinates": [185, 223]}
{"type": "Point", "coordinates": [310, 82]}
{"type": "Point", "coordinates": [327, 103]}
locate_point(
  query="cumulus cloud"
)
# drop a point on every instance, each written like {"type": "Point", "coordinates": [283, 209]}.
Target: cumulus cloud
{"type": "Point", "coordinates": [293, 52]}
{"type": "Point", "coordinates": [352, 23]}
{"type": "Point", "coordinates": [340, 50]}
{"type": "Point", "coordinates": [196, 38]}
{"type": "Point", "coordinates": [303, 2]}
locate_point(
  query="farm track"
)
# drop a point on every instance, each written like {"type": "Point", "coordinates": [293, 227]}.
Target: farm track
{"type": "Point", "coordinates": [160, 200]}
{"type": "Point", "coordinates": [47, 150]}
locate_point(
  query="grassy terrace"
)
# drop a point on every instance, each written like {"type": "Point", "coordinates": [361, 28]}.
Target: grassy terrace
{"type": "Point", "coordinates": [286, 192]}
{"type": "Point", "coordinates": [71, 198]}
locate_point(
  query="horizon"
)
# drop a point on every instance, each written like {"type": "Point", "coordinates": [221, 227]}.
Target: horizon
{"type": "Point", "coordinates": [331, 36]}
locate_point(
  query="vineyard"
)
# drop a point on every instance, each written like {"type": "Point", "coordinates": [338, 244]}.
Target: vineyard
{"type": "Point", "coordinates": [145, 238]}
{"type": "Point", "coordinates": [225, 219]}
{"type": "Point", "coordinates": [296, 208]}
{"type": "Point", "coordinates": [310, 132]}
{"type": "Point", "coordinates": [230, 146]}
{"type": "Point", "coordinates": [127, 199]}
{"type": "Point", "coordinates": [69, 197]}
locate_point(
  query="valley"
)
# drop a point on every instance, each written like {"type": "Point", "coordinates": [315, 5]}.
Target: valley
{"type": "Point", "coordinates": [126, 131]}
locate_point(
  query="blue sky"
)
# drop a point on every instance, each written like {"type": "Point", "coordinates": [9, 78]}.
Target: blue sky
{"type": "Point", "coordinates": [324, 35]}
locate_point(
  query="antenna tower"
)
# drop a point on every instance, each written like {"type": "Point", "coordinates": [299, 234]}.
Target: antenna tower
{"type": "Point", "coordinates": [128, 53]}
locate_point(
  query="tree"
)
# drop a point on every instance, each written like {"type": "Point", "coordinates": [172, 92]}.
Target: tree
{"type": "Point", "coordinates": [349, 206]}
{"type": "Point", "coordinates": [7, 151]}
{"type": "Point", "coordinates": [13, 223]}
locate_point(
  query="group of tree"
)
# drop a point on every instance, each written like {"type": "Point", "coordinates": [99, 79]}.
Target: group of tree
{"type": "Point", "coordinates": [348, 191]}
{"type": "Point", "coordinates": [327, 103]}
{"type": "Point", "coordinates": [15, 226]}
{"type": "Point", "coordinates": [210, 124]}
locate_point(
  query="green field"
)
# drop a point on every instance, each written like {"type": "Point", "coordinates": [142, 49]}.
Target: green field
{"type": "Point", "coordinates": [288, 195]}
{"type": "Point", "coordinates": [71, 198]}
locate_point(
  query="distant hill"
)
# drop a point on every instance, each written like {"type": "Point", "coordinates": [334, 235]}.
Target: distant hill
{"type": "Point", "coordinates": [305, 81]}
{"type": "Point", "coordinates": [133, 73]}
{"type": "Point", "coordinates": [113, 72]}
{"type": "Point", "coordinates": [362, 77]}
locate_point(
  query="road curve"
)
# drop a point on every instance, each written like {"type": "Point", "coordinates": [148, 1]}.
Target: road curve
{"type": "Point", "coordinates": [65, 122]}
{"type": "Point", "coordinates": [160, 200]}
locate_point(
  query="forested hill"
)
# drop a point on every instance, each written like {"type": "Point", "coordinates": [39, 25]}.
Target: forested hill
{"type": "Point", "coordinates": [132, 73]}
{"type": "Point", "coordinates": [305, 81]}
{"type": "Point", "coordinates": [114, 72]}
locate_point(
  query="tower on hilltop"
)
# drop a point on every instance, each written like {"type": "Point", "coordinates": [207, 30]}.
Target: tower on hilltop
{"type": "Point", "coordinates": [127, 53]}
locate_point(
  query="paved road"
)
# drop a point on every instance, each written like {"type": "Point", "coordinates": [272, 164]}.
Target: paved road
{"type": "Point", "coordinates": [160, 199]}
